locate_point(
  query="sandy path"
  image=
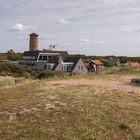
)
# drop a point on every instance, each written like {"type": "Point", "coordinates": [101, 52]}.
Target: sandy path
{"type": "Point", "coordinates": [107, 83]}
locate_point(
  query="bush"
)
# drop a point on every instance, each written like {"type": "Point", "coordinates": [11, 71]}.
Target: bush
{"type": "Point", "coordinates": [26, 75]}
{"type": "Point", "coordinates": [45, 74]}
{"type": "Point", "coordinates": [123, 126]}
{"type": "Point", "coordinates": [61, 74]}
{"type": "Point", "coordinates": [7, 68]}
{"type": "Point", "coordinates": [72, 74]}
{"type": "Point", "coordinates": [107, 64]}
{"type": "Point", "coordinates": [14, 56]}
{"type": "Point", "coordinates": [119, 70]}
{"type": "Point", "coordinates": [125, 69]}
{"type": "Point", "coordinates": [7, 81]}
{"type": "Point", "coordinates": [18, 70]}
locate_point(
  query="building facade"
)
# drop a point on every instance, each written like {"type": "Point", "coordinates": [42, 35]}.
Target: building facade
{"type": "Point", "coordinates": [50, 59]}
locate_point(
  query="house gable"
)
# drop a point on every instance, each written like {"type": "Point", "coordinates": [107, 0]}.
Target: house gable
{"type": "Point", "coordinates": [80, 67]}
{"type": "Point", "coordinates": [71, 64]}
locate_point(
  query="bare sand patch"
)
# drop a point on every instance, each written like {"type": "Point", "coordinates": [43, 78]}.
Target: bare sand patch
{"type": "Point", "coordinates": [121, 84]}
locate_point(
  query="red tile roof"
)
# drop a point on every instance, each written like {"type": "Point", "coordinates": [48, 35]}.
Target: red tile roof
{"type": "Point", "coordinates": [97, 62]}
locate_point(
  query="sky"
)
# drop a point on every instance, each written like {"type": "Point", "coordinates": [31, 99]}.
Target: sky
{"type": "Point", "coordinates": [90, 27]}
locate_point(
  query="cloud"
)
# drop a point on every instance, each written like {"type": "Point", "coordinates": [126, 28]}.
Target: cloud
{"type": "Point", "coordinates": [63, 21]}
{"type": "Point", "coordinates": [88, 41]}
{"type": "Point", "coordinates": [94, 21]}
{"type": "Point", "coordinates": [18, 27]}
{"type": "Point", "coordinates": [99, 42]}
{"type": "Point", "coordinates": [21, 27]}
{"type": "Point", "coordinates": [84, 40]}
{"type": "Point", "coordinates": [132, 30]}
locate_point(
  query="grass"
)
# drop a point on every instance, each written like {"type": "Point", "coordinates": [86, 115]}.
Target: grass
{"type": "Point", "coordinates": [7, 81]}
{"type": "Point", "coordinates": [37, 111]}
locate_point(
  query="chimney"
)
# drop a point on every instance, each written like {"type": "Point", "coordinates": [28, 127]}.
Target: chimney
{"type": "Point", "coordinates": [33, 45]}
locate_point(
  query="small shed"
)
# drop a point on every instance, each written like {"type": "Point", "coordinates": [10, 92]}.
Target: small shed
{"type": "Point", "coordinates": [95, 65]}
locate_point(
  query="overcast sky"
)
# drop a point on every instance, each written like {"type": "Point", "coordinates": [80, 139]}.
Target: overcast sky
{"type": "Point", "coordinates": [91, 27]}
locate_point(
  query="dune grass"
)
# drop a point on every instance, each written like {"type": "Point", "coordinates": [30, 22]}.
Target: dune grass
{"type": "Point", "coordinates": [7, 81]}
{"type": "Point", "coordinates": [34, 111]}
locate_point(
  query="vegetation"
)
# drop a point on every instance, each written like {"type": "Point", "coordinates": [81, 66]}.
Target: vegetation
{"type": "Point", "coordinates": [123, 59]}
{"type": "Point", "coordinates": [11, 69]}
{"type": "Point", "coordinates": [71, 110]}
{"type": "Point", "coordinates": [14, 56]}
{"type": "Point", "coordinates": [10, 56]}
{"type": "Point", "coordinates": [94, 106]}
{"type": "Point", "coordinates": [119, 70]}
{"type": "Point", "coordinates": [83, 106]}
{"type": "Point", "coordinates": [3, 56]}
{"type": "Point", "coordinates": [7, 81]}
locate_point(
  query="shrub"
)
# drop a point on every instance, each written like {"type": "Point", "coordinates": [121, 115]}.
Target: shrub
{"type": "Point", "coordinates": [61, 74]}
{"type": "Point", "coordinates": [72, 74]}
{"type": "Point", "coordinates": [14, 56]}
{"type": "Point", "coordinates": [18, 70]}
{"type": "Point", "coordinates": [107, 64]}
{"type": "Point", "coordinates": [26, 75]}
{"type": "Point", "coordinates": [45, 74]}
{"type": "Point", "coordinates": [123, 126]}
{"type": "Point", "coordinates": [119, 70]}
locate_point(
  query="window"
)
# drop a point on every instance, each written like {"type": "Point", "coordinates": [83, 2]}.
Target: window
{"type": "Point", "coordinates": [40, 57]}
{"type": "Point", "coordinates": [49, 66]}
{"type": "Point", "coordinates": [80, 68]}
{"type": "Point", "coordinates": [50, 57]}
{"type": "Point", "coordinates": [45, 58]}
{"type": "Point", "coordinates": [66, 67]}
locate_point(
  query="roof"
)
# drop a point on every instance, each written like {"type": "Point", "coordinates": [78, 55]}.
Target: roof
{"type": "Point", "coordinates": [34, 54]}
{"type": "Point", "coordinates": [73, 59]}
{"type": "Point", "coordinates": [34, 34]}
{"type": "Point", "coordinates": [55, 61]}
{"type": "Point", "coordinates": [97, 62]}
{"type": "Point", "coordinates": [63, 54]}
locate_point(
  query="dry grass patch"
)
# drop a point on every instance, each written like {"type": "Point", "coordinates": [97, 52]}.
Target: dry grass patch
{"type": "Point", "coordinates": [6, 81]}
